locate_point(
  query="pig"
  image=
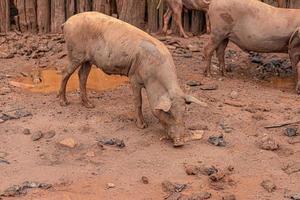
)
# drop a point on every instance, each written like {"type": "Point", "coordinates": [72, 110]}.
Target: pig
{"type": "Point", "coordinates": [119, 48]}
{"type": "Point", "coordinates": [251, 25]}
{"type": "Point", "coordinates": [175, 7]}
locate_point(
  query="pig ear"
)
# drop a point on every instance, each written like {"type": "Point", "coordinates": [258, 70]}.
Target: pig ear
{"type": "Point", "coordinates": [164, 103]}
{"type": "Point", "coordinates": [190, 99]}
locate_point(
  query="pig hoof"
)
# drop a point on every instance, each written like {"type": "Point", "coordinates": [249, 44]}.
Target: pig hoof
{"type": "Point", "coordinates": [64, 103]}
{"type": "Point", "coordinates": [141, 125]}
{"type": "Point", "coordinates": [178, 142]}
{"type": "Point", "coordinates": [88, 105]}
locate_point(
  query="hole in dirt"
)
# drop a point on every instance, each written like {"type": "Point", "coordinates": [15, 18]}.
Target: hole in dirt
{"type": "Point", "coordinates": [48, 80]}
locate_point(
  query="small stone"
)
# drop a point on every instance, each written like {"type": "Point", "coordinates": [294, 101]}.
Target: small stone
{"type": "Point", "coordinates": [110, 185]}
{"type": "Point", "coordinates": [2, 121]}
{"type": "Point", "coordinates": [291, 132]}
{"type": "Point", "coordinates": [234, 94]}
{"type": "Point", "coordinates": [172, 187]}
{"type": "Point", "coordinates": [145, 180]}
{"type": "Point", "coordinates": [36, 136]}
{"type": "Point", "coordinates": [217, 140]}
{"type": "Point", "coordinates": [234, 103]}
{"type": "Point", "coordinates": [209, 87]}
{"type": "Point", "coordinates": [268, 143]}
{"type": "Point", "coordinates": [229, 197]}
{"type": "Point", "coordinates": [193, 83]}
{"type": "Point", "coordinates": [200, 196]}
{"type": "Point", "coordinates": [268, 185]}
{"type": "Point", "coordinates": [208, 170]}
{"type": "Point", "coordinates": [174, 196]}
{"type": "Point", "coordinates": [26, 131]}
{"type": "Point", "coordinates": [193, 48]}
{"type": "Point", "coordinates": [68, 142]}
{"type": "Point", "coordinates": [49, 134]}
{"type": "Point", "coordinates": [191, 169]}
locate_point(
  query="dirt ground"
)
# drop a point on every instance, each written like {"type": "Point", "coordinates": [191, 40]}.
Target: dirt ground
{"type": "Point", "coordinates": [240, 106]}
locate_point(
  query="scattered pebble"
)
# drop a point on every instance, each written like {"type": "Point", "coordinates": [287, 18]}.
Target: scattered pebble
{"type": "Point", "coordinates": [217, 140]}
{"type": "Point", "coordinates": [37, 136]}
{"type": "Point", "coordinates": [68, 142]}
{"type": "Point", "coordinates": [200, 196]}
{"type": "Point", "coordinates": [268, 185]}
{"type": "Point", "coordinates": [110, 185]}
{"type": "Point", "coordinates": [173, 187]}
{"type": "Point", "coordinates": [145, 180]}
{"type": "Point", "coordinates": [268, 143]}
{"type": "Point", "coordinates": [17, 190]}
{"type": "Point", "coordinates": [193, 83]}
{"type": "Point", "coordinates": [234, 95]}
{"type": "Point", "coordinates": [234, 103]}
{"type": "Point", "coordinates": [209, 87]}
{"type": "Point", "coordinates": [26, 131]}
{"type": "Point", "coordinates": [291, 132]}
{"type": "Point", "coordinates": [49, 134]}
{"type": "Point", "coordinates": [114, 142]}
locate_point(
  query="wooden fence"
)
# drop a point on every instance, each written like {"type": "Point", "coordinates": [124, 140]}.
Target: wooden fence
{"type": "Point", "coordinates": [46, 16]}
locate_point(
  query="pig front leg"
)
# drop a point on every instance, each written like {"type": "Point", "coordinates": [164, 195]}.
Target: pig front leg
{"type": "Point", "coordinates": [298, 81]}
{"type": "Point", "coordinates": [221, 56]}
{"type": "Point", "coordinates": [83, 74]}
{"type": "Point", "coordinates": [137, 95]}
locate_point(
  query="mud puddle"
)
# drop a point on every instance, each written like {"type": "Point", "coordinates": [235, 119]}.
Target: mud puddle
{"type": "Point", "coordinates": [48, 81]}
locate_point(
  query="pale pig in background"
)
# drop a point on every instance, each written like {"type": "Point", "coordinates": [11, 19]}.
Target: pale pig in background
{"type": "Point", "coordinates": [119, 48]}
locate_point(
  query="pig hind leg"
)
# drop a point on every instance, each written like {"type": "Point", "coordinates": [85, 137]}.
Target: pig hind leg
{"type": "Point", "coordinates": [137, 93]}
{"type": "Point", "coordinates": [177, 13]}
{"type": "Point", "coordinates": [212, 44]}
{"type": "Point", "coordinates": [65, 78]}
{"type": "Point", "coordinates": [167, 17]}
{"type": "Point", "coordinates": [83, 74]}
{"type": "Point", "coordinates": [221, 55]}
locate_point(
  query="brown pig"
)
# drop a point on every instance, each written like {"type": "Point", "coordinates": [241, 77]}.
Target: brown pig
{"type": "Point", "coordinates": [119, 48]}
{"type": "Point", "coordinates": [251, 25]}
{"type": "Point", "coordinates": [175, 7]}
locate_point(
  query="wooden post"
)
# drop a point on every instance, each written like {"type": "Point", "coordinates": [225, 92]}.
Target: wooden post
{"type": "Point", "coordinates": [102, 6]}
{"type": "Point", "coordinates": [43, 15]}
{"type": "Point", "coordinates": [186, 21]}
{"type": "Point", "coordinates": [57, 15]}
{"type": "Point", "coordinates": [152, 15]}
{"type": "Point", "coordinates": [70, 8]}
{"type": "Point", "coordinates": [195, 25]}
{"type": "Point", "coordinates": [4, 15]}
{"type": "Point", "coordinates": [83, 5]}
{"type": "Point", "coordinates": [21, 18]}
{"type": "Point", "coordinates": [133, 12]}
{"type": "Point", "coordinates": [31, 15]}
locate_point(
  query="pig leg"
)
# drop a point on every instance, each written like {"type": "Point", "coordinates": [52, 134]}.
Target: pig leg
{"type": "Point", "coordinates": [207, 23]}
{"type": "Point", "coordinates": [221, 55]}
{"type": "Point", "coordinates": [83, 74]}
{"type": "Point", "coordinates": [167, 17]}
{"type": "Point", "coordinates": [298, 81]}
{"type": "Point", "coordinates": [209, 49]}
{"type": "Point", "coordinates": [178, 14]}
{"type": "Point", "coordinates": [65, 77]}
{"type": "Point", "coordinates": [137, 95]}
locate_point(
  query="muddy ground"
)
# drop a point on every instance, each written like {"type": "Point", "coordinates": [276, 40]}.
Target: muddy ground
{"type": "Point", "coordinates": [67, 147]}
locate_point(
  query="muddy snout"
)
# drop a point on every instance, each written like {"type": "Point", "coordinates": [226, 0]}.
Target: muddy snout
{"type": "Point", "coordinates": [177, 134]}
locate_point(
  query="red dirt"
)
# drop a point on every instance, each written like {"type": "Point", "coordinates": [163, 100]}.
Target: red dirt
{"type": "Point", "coordinates": [83, 172]}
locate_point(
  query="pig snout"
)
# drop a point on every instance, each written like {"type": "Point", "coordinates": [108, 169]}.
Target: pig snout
{"type": "Point", "coordinates": [177, 133]}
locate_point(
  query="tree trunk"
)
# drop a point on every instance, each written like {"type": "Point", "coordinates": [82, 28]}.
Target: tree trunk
{"type": "Point", "coordinates": [4, 15]}
{"type": "Point", "coordinates": [21, 18]}
{"type": "Point", "coordinates": [57, 15]}
{"type": "Point", "coordinates": [102, 6]}
{"type": "Point", "coordinates": [70, 8]}
{"type": "Point", "coordinates": [83, 5]}
{"type": "Point", "coordinates": [43, 15]}
{"type": "Point", "coordinates": [133, 12]}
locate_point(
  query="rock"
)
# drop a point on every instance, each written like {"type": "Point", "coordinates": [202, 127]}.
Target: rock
{"type": "Point", "coordinates": [110, 185]}
{"type": "Point", "coordinates": [234, 94]}
{"type": "Point", "coordinates": [292, 168]}
{"type": "Point", "coordinates": [50, 134]}
{"type": "Point", "coordinates": [68, 142]}
{"type": "Point", "coordinates": [193, 83]}
{"type": "Point", "coordinates": [200, 196]}
{"type": "Point", "coordinates": [292, 196]}
{"type": "Point", "coordinates": [17, 190]}
{"type": "Point", "coordinates": [191, 169]}
{"type": "Point", "coordinates": [215, 177]}
{"type": "Point", "coordinates": [268, 143]}
{"type": "Point", "coordinates": [255, 58]}
{"type": "Point", "coordinates": [114, 142]}
{"type": "Point", "coordinates": [193, 48]}
{"type": "Point", "coordinates": [209, 87]}
{"type": "Point", "coordinates": [172, 187]}
{"type": "Point", "coordinates": [26, 131]}
{"type": "Point", "coordinates": [291, 132]}
{"type": "Point", "coordinates": [202, 169]}
{"type": "Point", "coordinates": [22, 113]}
{"type": "Point", "coordinates": [234, 103]}
{"type": "Point", "coordinates": [229, 197]}
{"type": "Point", "coordinates": [194, 135]}
{"type": "Point", "coordinates": [217, 140]}
{"type": "Point", "coordinates": [174, 196]}
{"type": "Point", "coordinates": [225, 126]}
{"type": "Point", "coordinates": [3, 161]}
{"type": "Point", "coordinates": [171, 47]}
{"type": "Point", "coordinates": [37, 136]}
{"type": "Point", "coordinates": [268, 185]}
{"type": "Point", "coordinates": [1, 121]}
{"type": "Point", "coordinates": [145, 180]}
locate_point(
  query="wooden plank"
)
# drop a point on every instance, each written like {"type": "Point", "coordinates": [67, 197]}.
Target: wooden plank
{"type": "Point", "coordinates": [70, 8]}
{"type": "Point", "coordinates": [83, 5]}
{"type": "Point", "coordinates": [43, 15]}
{"type": "Point", "coordinates": [31, 15]}
{"type": "Point", "coordinates": [57, 15]}
{"type": "Point", "coordinates": [152, 15]}
{"type": "Point", "coordinates": [102, 6]}
{"type": "Point", "coordinates": [186, 21]}
{"type": "Point", "coordinates": [4, 15]}
{"type": "Point", "coordinates": [21, 18]}
{"type": "Point", "coordinates": [195, 24]}
{"type": "Point", "coordinates": [133, 12]}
